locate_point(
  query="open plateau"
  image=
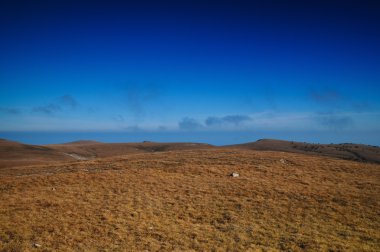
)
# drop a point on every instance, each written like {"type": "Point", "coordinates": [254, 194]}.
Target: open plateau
{"type": "Point", "coordinates": [284, 196]}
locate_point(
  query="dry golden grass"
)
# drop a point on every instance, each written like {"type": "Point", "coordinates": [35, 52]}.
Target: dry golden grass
{"type": "Point", "coordinates": [186, 201]}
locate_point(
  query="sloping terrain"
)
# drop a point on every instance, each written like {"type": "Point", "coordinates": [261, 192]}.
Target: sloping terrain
{"type": "Point", "coordinates": [91, 149]}
{"type": "Point", "coordinates": [186, 201]}
{"type": "Point", "coordinates": [18, 154]}
{"type": "Point", "coordinates": [349, 151]}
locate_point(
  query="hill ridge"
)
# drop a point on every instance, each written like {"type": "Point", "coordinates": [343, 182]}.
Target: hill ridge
{"type": "Point", "coordinates": [15, 153]}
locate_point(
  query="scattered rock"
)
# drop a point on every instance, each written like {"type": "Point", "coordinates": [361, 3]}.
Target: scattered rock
{"type": "Point", "coordinates": [36, 245]}
{"type": "Point", "coordinates": [234, 174]}
{"type": "Point", "coordinates": [53, 189]}
{"type": "Point", "coordinates": [283, 161]}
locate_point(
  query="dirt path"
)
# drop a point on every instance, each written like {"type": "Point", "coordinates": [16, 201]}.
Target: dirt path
{"type": "Point", "coordinates": [76, 156]}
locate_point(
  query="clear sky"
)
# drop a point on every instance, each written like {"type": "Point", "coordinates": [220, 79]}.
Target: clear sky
{"type": "Point", "coordinates": [220, 72]}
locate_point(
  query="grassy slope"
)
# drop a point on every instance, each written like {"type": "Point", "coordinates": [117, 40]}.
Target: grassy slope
{"type": "Point", "coordinates": [348, 151]}
{"type": "Point", "coordinates": [185, 201]}
{"type": "Point", "coordinates": [18, 154]}
{"type": "Point", "coordinates": [13, 154]}
{"type": "Point", "coordinates": [93, 149]}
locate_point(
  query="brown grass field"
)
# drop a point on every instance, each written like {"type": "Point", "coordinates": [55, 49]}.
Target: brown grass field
{"type": "Point", "coordinates": [185, 200]}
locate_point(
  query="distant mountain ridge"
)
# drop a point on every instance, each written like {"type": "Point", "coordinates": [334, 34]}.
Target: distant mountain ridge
{"type": "Point", "coordinates": [18, 154]}
{"type": "Point", "coordinates": [348, 151]}
{"type": "Point", "coordinates": [83, 142]}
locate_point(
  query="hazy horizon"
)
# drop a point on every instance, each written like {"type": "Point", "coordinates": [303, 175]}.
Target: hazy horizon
{"type": "Point", "coordinates": [214, 138]}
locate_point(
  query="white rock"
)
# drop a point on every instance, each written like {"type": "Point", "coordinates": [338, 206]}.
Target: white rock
{"type": "Point", "coordinates": [36, 245]}
{"type": "Point", "coordinates": [235, 175]}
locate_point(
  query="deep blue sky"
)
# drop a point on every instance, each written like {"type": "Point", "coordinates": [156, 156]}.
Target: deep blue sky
{"type": "Point", "coordinates": [218, 72]}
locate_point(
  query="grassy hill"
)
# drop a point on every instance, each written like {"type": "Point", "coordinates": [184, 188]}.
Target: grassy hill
{"type": "Point", "coordinates": [18, 154]}
{"type": "Point", "coordinates": [349, 151]}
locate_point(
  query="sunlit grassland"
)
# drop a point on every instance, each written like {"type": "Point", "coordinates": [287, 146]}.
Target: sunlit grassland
{"type": "Point", "coordinates": [186, 201]}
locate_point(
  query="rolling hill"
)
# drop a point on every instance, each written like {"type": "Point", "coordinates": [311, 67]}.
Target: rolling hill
{"type": "Point", "coordinates": [19, 154]}
{"type": "Point", "coordinates": [349, 151]}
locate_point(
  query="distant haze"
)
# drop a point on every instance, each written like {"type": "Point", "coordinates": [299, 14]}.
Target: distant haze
{"type": "Point", "coordinates": [215, 138]}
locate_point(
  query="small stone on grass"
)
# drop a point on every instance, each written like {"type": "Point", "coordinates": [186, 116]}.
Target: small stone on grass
{"type": "Point", "coordinates": [234, 174]}
{"type": "Point", "coordinates": [36, 245]}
